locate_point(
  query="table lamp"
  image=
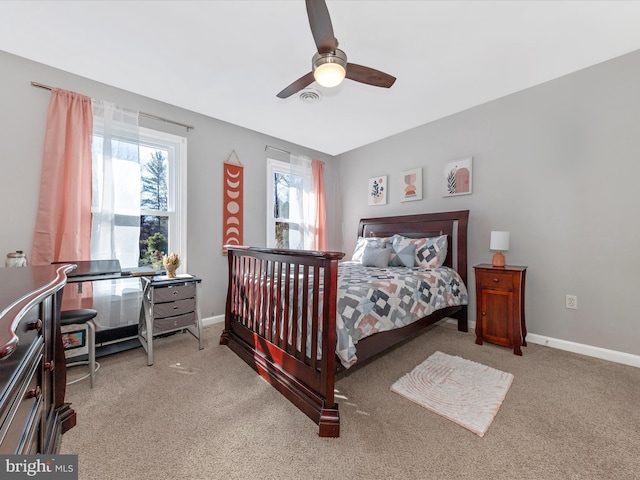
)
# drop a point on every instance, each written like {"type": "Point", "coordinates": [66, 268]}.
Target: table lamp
{"type": "Point", "coordinates": [499, 242]}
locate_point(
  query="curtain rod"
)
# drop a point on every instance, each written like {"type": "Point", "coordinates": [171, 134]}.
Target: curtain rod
{"type": "Point", "coordinates": [276, 149]}
{"type": "Point", "coordinates": [269, 147]}
{"type": "Point", "coordinates": [146, 115]}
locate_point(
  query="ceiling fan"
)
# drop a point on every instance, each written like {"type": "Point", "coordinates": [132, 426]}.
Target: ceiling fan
{"type": "Point", "coordinates": [330, 65]}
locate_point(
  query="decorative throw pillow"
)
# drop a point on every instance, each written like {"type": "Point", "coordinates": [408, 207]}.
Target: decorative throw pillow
{"type": "Point", "coordinates": [375, 257]}
{"type": "Point", "coordinates": [431, 252]}
{"type": "Point", "coordinates": [377, 242]}
{"type": "Point", "coordinates": [403, 252]}
{"type": "Point", "coordinates": [427, 252]}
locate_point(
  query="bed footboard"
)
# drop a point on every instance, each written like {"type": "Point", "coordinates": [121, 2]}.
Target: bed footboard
{"type": "Point", "coordinates": [280, 318]}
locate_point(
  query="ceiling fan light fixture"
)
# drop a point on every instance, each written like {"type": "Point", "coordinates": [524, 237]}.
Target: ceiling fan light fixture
{"type": "Point", "coordinates": [329, 69]}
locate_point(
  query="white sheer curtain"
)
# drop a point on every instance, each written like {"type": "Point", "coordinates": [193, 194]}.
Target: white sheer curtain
{"type": "Point", "coordinates": [303, 207]}
{"type": "Point", "coordinates": [115, 228]}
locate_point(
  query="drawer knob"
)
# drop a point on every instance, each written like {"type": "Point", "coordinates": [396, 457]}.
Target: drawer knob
{"type": "Point", "coordinates": [495, 280]}
{"type": "Point", "coordinates": [484, 314]}
{"type": "Point", "coordinates": [37, 325]}
{"type": "Point", "coordinates": [34, 393]}
{"type": "Point", "coordinates": [49, 366]}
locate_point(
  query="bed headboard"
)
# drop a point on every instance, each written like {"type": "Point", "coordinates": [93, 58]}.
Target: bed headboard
{"type": "Point", "coordinates": [452, 224]}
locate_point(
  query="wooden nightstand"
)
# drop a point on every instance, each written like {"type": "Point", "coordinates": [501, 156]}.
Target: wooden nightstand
{"type": "Point", "coordinates": [500, 306]}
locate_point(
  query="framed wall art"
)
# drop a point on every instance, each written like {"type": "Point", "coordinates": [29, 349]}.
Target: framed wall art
{"type": "Point", "coordinates": [457, 177]}
{"type": "Point", "coordinates": [378, 190]}
{"type": "Point", "coordinates": [411, 185]}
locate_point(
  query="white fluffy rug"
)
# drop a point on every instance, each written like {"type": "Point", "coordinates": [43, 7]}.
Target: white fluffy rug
{"type": "Point", "coordinates": [465, 392]}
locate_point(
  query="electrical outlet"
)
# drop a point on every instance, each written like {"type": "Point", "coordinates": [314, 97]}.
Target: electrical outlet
{"type": "Point", "coordinates": [571, 301]}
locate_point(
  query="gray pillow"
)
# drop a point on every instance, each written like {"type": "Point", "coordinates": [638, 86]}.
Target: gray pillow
{"type": "Point", "coordinates": [375, 257]}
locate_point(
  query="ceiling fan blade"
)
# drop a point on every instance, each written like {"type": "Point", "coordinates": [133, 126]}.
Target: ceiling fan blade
{"type": "Point", "coordinates": [369, 76]}
{"type": "Point", "coordinates": [296, 86]}
{"type": "Point", "coordinates": [321, 27]}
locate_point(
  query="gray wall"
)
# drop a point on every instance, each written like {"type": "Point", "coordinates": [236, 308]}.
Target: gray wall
{"type": "Point", "coordinates": [23, 113]}
{"type": "Point", "coordinates": [558, 166]}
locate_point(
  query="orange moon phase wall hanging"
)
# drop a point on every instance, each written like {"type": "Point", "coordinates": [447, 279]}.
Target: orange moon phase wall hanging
{"type": "Point", "coordinates": [232, 188]}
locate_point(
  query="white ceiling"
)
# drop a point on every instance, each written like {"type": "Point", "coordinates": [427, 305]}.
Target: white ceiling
{"type": "Point", "coordinates": [229, 59]}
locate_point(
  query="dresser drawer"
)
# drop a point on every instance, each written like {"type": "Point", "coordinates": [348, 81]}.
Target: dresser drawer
{"type": "Point", "coordinates": [29, 332]}
{"type": "Point", "coordinates": [171, 309]}
{"type": "Point", "coordinates": [161, 325]}
{"type": "Point", "coordinates": [21, 419]}
{"type": "Point", "coordinates": [172, 293]}
{"type": "Point", "coordinates": [495, 280]}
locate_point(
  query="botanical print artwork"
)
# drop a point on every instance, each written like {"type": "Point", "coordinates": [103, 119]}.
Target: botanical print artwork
{"type": "Point", "coordinates": [378, 190]}
{"type": "Point", "coordinates": [457, 177]}
{"type": "Point", "coordinates": [412, 185]}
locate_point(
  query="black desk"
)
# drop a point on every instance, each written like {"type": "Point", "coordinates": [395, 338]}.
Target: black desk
{"type": "Point", "coordinates": [116, 339]}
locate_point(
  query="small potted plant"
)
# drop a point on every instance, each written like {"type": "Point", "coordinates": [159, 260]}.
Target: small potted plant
{"type": "Point", "coordinates": [171, 263]}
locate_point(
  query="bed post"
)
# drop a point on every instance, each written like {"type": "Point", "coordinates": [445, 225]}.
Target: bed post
{"type": "Point", "coordinates": [461, 266]}
{"type": "Point", "coordinates": [329, 423]}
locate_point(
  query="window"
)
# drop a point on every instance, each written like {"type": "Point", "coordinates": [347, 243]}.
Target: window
{"type": "Point", "coordinates": [162, 196]}
{"type": "Point", "coordinates": [144, 206]}
{"type": "Point", "coordinates": [287, 188]}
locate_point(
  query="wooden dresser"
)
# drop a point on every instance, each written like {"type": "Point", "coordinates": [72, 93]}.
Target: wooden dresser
{"type": "Point", "coordinates": [33, 413]}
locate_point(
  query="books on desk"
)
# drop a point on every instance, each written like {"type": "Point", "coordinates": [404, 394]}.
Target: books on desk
{"type": "Point", "coordinates": [142, 272]}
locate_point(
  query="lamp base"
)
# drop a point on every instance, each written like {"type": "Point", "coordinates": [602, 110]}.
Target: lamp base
{"type": "Point", "coordinates": [498, 259]}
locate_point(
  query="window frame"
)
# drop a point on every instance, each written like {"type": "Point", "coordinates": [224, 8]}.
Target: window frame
{"type": "Point", "coordinates": [176, 212]}
{"type": "Point", "coordinates": [176, 147]}
{"type": "Point", "coordinates": [278, 166]}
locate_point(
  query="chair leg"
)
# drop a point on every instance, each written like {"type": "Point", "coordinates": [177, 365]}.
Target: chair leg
{"type": "Point", "coordinates": [90, 330]}
{"type": "Point", "coordinates": [91, 344]}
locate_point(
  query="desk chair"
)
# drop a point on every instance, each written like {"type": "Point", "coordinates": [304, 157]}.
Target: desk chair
{"type": "Point", "coordinates": [84, 317]}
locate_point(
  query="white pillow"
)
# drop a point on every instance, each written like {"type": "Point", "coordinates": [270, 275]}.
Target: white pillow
{"type": "Point", "coordinates": [376, 242]}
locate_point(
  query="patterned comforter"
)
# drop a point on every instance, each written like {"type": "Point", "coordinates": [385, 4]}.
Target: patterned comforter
{"type": "Point", "coordinates": [372, 300]}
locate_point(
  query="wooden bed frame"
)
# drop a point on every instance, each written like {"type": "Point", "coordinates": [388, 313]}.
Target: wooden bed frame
{"type": "Point", "coordinates": [264, 301]}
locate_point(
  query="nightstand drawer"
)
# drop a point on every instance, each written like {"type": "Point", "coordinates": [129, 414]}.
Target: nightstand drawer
{"type": "Point", "coordinates": [171, 309]}
{"type": "Point", "coordinates": [171, 323]}
{"type": "Point", "coordinates": [172, 293]}
{"type": "Point", "coordinates": [495, 280]}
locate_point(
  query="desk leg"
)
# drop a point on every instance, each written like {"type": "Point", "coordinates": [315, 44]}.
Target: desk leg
{"type": "Point", "coordinates": [146, 316]}
{"type": "Point", "coordinates": [149, 323]}
{"type": "Point", "coordinates": [199, 322]}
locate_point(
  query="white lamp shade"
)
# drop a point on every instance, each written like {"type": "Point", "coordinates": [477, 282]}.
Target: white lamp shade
{"type": "Point", "coordinates": [499, 241]}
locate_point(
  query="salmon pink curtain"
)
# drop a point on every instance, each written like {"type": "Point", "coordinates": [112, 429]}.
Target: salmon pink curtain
{"type": "Point", "coordinates": [63, 222]}
{"type": "Point", "coordinates": [308, 209]}
{"type": "Point", "coordinates": [320, 222]}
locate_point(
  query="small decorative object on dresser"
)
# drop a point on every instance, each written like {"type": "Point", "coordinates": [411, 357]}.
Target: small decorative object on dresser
{"type": "Point", "coordinates": [171, 263]}
{"type": "Point", "coordinates": [500, 305]}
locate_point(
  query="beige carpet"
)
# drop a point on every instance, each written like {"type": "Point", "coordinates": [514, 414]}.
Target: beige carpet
{"type": "Point", "coordinates": [206, 415]}
{"type": "Point", "coordinates": [467, 393]}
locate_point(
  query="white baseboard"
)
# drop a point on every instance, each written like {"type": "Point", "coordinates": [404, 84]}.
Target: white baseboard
{"type": "Point", "coordinates": [211, 320]}
{"type": "Point", "coordinates": [582, 349]}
